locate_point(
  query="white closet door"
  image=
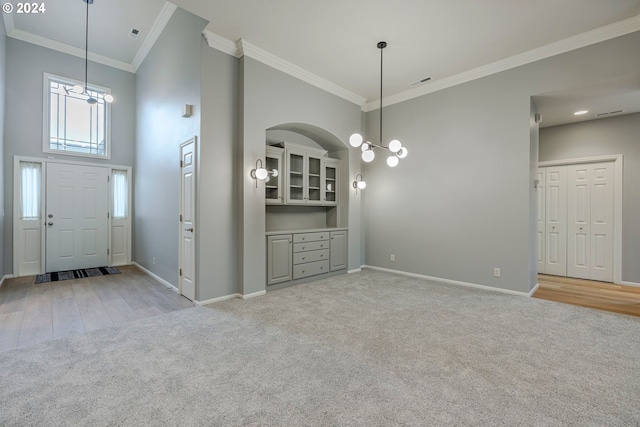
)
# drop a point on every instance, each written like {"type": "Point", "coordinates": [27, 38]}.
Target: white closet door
{"type": "Point", "coordinates": [556, 221]}
{"type": "Point", "coordinates": [540, 234]}
{"type": "Point", "coordinates": [579, 221]}
{"type": "Point", "coordinates": [602, 202]}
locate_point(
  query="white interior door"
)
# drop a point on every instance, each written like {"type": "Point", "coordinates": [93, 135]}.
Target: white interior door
{"type": "Point", "coordinates": [76, 217]}
{"type": "Point", "coordinates": [540, 234]}
{"type": "Point", "coordinates": [187, 220]}
{"type": "Point", "coordinates": [556, 220]}
{"type": "Point", "coordinates": [602, 230]}
{"type": "Point", "coordinates": [579, 221]}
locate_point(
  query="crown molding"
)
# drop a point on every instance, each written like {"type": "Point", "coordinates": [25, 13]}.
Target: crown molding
{"type": "Point", "coordinates": [598, 35]}
{"type": "Point", "coordinates": [154, 33]}
{"type": "Point", "coordinates": [70, 50]}
{"type": "Point", "coordinates": [247, 49]}
{"type": "Point", "coordinates": [9, 26]}
{"type": "Point", "coordinates": [220, 43]}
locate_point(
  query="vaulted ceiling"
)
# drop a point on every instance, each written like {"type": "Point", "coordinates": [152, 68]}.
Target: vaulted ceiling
{"type": "Point", "coordinates": [336, 39]}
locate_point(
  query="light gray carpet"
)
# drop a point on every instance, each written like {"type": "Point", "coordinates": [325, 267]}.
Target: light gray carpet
{"type": "Point", "coordinates": [370, 349]}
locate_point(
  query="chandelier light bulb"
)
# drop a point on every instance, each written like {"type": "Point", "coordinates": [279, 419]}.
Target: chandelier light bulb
{"type": "Point", "coordinates": [362, 185]}
{"type": "Point", "coordinates": [108, 97]}
{"type": "Point", "coordinates": [392, 161]}
{"type": "Point", "coordinates": [274, 172]}
{"type": "Point", "coordinates": [402, 153]}
{"type": "Point", "coordinates": [368, 156]}
{"type": "Point", "coordinates": [78, 89]}
{"type": "Point", "coordinates": [267, 179]}
{"type": "Point", "coordinates": [261, 173]}
{"type": "Point", "coordinates": [366, 146]}
{"type": "Point", "coordinates": [395, 145]}
{"type": "Point", "coordinates": [355, 140]}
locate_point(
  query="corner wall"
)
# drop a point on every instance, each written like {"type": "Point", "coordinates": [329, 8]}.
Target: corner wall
{"type": "Point", "coordinates": [615, 135]}
{"type": "Point", "coordinates": [460, 204]}
{"type": "Point", "coordinates": [3, 62]}
{"type": "Point", "coordinates": [168, 79]}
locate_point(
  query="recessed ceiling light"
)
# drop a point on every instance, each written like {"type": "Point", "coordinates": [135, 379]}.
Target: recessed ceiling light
{"type": "Point", "coordinates": [579, 113]}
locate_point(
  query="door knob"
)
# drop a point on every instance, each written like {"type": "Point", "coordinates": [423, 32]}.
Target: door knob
{"type": "Point", "coordinates": [50, 215]}
{"type": "Point", "coordinates": [189, 229]}
{"type": "Point", "coordinates": [49, 223]}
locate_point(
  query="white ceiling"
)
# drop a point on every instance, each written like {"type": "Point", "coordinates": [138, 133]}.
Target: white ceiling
{"type": "Point", "coordinates": [336, 39]}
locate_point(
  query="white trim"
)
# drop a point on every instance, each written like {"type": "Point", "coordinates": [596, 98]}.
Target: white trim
{"type": "Point", "coordinates": [247, 49]}
{"type": "Point", "coordinates": [154, 33]}
{"type": "Point", "coordinates": [212, 300]}
{"type": "Point", "coordinates": [69, 50]}
{"type": "Point", "coordinates": [253, 295]}
{"type": "Point", "coordinates": [578, 41]}
{"type": "Point", "coordinates": [5, 277]}
{"type": "Point", "coordinates": [220, 43]}
{"type": "Point", "coordinates": [533, 291]}
{"type": "Point", "coordinates": [623, 282]}
{"type": "Point", "coordinates": [448, 281]}
{"type": "Point", "coordinates": [155, 276]}
{"type": "Point", "coordinates": [618, 167]}
{"type": "Point", "coordinates": [356, 270]}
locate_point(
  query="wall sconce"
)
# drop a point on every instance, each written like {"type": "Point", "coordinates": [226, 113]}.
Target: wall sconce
{"type": "Point", "coordinates": [260, 173]}
{"type": "Point", "coordinates": [359, 183]}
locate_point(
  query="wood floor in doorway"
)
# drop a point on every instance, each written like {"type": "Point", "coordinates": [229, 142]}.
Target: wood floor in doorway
{"type": "Point", "coordinates": [588, 293]}
{"type": "Point", "coordinates": [32, 313]}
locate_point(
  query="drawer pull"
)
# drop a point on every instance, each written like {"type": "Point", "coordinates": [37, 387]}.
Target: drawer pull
{"type": "Point", "coordinates": [303, 271]}
{"type": "Point", "coordinates": [320, 256]}
{"type": "Point", "coordinates": [303, 258]}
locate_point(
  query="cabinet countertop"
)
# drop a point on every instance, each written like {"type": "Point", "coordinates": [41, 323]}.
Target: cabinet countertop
{"type": "Point", "coordinates": [305, 230]}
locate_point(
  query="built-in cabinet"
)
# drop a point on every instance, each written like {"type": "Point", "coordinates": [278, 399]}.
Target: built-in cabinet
{"type": "Point", "coordinates": [575, 220]}
{"type": "Point", "coordinates": [306, 176]}
{"type": "Point", "coordinates": [296, 256]}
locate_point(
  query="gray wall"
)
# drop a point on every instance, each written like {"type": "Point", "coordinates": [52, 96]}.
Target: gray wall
{"type": "Point", "coordinates": [460, 204]}
{"type": "Point", "coordinates": [3, 62]}
{"type": "Point", "coordinates": [615, 135]}
{"type": "Point", "coordinates": [26, 64]}
{"type": "Point", "coordinates": [168, 79]}
{"type": "Point", "coordinates": [268, 98]}
{"type": "Point", "coordinates": [218, 215]}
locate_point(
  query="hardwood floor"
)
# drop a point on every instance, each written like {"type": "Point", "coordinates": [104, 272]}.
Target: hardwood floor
{"type": "Point", "coordinates": [587, 293]}
{"type": "Point", "coordinates": [30, 313]}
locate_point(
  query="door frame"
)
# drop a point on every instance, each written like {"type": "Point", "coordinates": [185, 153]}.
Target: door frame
{"type": "Point", "coordinates": [617, 160]}
{"type": "Point", "coordinates": [193, 140]}
{"type": "Point", "coordinates": [43, 182]}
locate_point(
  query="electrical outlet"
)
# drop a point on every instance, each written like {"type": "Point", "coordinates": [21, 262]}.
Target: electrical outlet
{"type": "Point", "coordinates": [392, 258]}
{"type": "Point", "coordinates": [154, 260]}
{"type": "Point", "coordinates": [496, 272]}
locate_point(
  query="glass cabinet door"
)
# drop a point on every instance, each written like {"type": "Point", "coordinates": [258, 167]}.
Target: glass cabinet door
{"type": "Point", "coordinates": [330, 183]}
{"type": "Point", "coordinates": [313, 180]}
{"type": "Point", "coordinates": [273, 184]}
{"type": "Point", "coordinates": [296, 177]}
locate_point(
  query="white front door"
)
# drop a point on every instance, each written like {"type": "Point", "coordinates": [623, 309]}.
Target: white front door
{"type": "Point", "coordinates": [602, 207]}
{"type": "Point", "coordinates": [579, 221]}
{"type": "Point", "coordinates": [76, 217]}
{"type": "Point", "coordinates": [187, 220]}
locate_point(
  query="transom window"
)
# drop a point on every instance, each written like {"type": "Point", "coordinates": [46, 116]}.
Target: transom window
{"type": "Point", "coordinates": [72, 125]}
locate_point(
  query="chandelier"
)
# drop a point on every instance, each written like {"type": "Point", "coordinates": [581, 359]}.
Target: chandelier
{"type": "Point", "coordinates": [395, 147]}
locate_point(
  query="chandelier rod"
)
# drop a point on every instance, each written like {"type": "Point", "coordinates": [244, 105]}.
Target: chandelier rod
{"type": "Point", "coordinates": [381, 46]}
{"type": "Point", "coordinates": [86, 51]}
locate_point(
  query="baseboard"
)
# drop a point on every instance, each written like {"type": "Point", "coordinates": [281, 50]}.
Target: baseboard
{"type": "Point", "coordinates": [253, 295]}
{"type": "Point", "coordinates": [212, 300]}
{"type": "Point", "coordinates": [533, 291]}
{"type": "Point", "coordinates": [449, 281]}
{"type": "Point", "coordinates": [158, 278]}
{"type": "Point", "coordinates": [622, 282]}
{"type": "Point", "coordinates": [5, 277]}
{"type": "Point", "coordinates": [357, 270]}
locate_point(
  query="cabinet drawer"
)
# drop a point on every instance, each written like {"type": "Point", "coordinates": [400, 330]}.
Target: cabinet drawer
{"type": "Point", "coordinates": [310, 269]}
{"type": "Point", "coordinates": [311, 246]}
{"type": "Point", "coordinates": [310, 237]}
{"type": "Point", "coordinates": [302, 257]}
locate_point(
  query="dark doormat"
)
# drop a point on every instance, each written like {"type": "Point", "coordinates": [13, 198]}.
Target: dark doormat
{"type": "Point", "coordinates": [76, 274]}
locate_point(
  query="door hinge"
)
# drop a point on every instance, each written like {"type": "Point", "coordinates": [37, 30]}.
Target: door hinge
{"type": "Point", "coordinates": [180, 217]}
{"type": "Point", "coordinates": [181, 164]}
{"type": "Point", "coordinates": [180, 272]}
{"type": "Point", "coordinates": [107, 251]}
{"type": "Point", "coordinates": [108, 215]}
{"type": "Point", "coordinates": [107, 178]}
